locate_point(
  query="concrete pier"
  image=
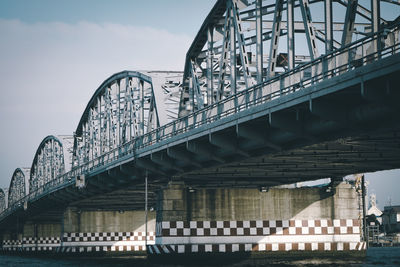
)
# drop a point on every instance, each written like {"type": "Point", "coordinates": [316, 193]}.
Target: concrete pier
{"type": "Point", "coordinates": [107, 231]}
{"type": "Point", "coordinates": [41, 236]}
{"type": "Point", "coordinates": [83, 231]}
{"type": "Point", "coordinates": [248, 220]}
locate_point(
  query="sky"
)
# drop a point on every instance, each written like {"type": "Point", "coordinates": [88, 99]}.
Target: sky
{"type": "Point", "coordinates": [55, 53]}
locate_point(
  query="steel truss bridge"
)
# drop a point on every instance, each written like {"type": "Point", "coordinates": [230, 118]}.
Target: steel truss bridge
{"type": "Point", "coordinates": [268, 96]}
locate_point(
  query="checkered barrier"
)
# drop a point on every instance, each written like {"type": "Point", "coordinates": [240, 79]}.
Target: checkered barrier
{"type": "Point", "coordinates": [32, 244]}
{"type": "Point", "coordinates": [12, 245]}
{"type": "Point", "coordinates": [106, 241]}
{"type": "Point", "coordinates": [262, 247]}
{"type": "Point", "coordinates": [41, 243]}
{"type": "Point", "coordinates": [256, 235]}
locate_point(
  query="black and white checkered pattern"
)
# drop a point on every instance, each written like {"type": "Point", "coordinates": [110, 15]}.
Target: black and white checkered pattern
{"type": "Point", "coordinates": [84, 242]}
{"type": "Point", "coordinates": [258, 227]}
{"type": "Point", "coordinates": [238, 247]}
{"type": "Point", "coordinates": [41, 240]}
{"type": "Point", "coordinates": [90, 249]}
{"type": "Point", "coordinates": [108, 236]}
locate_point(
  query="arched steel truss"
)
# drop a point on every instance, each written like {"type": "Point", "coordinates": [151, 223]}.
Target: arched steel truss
{"type": "Point", "coordinates": [18, 186]}
{"type": "Point", "coordinates": [3, 202]}
{"type": "Point", "coordinates": [241, 42]}
{"type": "Point", "coordinates": [122, 108]}
{"type": "Point", "coordinates": [50, 161]}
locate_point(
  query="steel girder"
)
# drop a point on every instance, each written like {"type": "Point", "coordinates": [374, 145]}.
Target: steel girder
{"type": "Point", "coordinates": [236, 31]}
{"type": "Point", "coordinates": [122, 108]}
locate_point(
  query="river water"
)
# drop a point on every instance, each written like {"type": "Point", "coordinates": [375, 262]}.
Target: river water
{"type": "Point", "coordinates": [389, 256]}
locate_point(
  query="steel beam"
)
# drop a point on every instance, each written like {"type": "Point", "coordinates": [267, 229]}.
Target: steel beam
{"type": "Point", "coordinates": [226, 144]}
{"type": "Point", "coordinates": [349, 22]}
{"type": "Point", "coordinates": [287, 123]}
{"type": "Point", "coordinates": [196, 88]}
{"type": "Point", "coordinates": [250, 133]}
{"type": "Point", "coordinates": [240, 38]}
{"type": "Point", "coordinates": [290, 34]}
{"type": "Point", "coordinates": [259, 41]}
{"type": "Point", "coordinates": [375, 19]}
{"type": "Point", "coordinates": [183, 156]}
{"type": "Point", "coordinates": [329, 111]}
{"type": "Point", "coordinates": [204, 151]}
{"type": "Point", "coordinates": [276, 29]}
{"type": "Point", "coordinates": [210, 58]}
{"type": "Point", "coordinates": [328, 26]}
{"type": "Point", "coordinates": [232, 48]}
{"type": "Point", "coordinates": [310, 30]}
{"type": "Point", "coordinates": [149, 166]}
{"type": "Point", "coordinates": [223, 58]}
{"type": "Point", "coordinates": [164, 160]}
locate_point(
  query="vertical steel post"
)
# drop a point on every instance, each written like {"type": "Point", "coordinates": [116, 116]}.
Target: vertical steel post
{"type": "Point", "coordinates": [210, 55]}
{"type": "Point", "coordinates": [85, 143]}
{"type": "Point", "coordinates": [128, 93]}
{"type": "Point", "coordinates": [276, 32]}
{"type": "Point", "coordinates": [99, 114]}
{"type": "Point", "coordinates": [348, 27]}
{"type": "Point", "coordinates": [232, 48]}
{"type": "Point", "coordinates": [309, 28]}
{"type": "Point", "coordinates": [328, 27]}
{"type": "Point", "coordinates": [375, 19]}
{"type": "Point", "coordinates": [118, 129]}
{"type": "Point", "coordinates": [224, 54]}
{"type": "Point", "coordinates": [290, 33]}
{"type": "Point", "coordinates": [191, 93]}
{"type": "Point", "coordinates": [109, 111]}
{"type": "Point", "coordinates": [259, 41]}
{"type": "Point", "coordinates": [141, 84]}
{"type": "Point", "coordinates": [91, 134]}
{"type": "Point", "coordinates": [241, 44]}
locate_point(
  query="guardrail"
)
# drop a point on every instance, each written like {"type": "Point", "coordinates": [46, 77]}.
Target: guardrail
{"type": "Point", "coordinates": [350, 57]}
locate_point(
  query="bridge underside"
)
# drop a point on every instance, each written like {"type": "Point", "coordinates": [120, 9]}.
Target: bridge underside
{"type": "Point", "coordinates": [337, 158]}
{"type": "Point", "coordinates": [344, 125]}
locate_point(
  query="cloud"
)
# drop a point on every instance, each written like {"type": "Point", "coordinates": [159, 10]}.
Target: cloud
{"type": "Point", "coordinates": [49, 71]}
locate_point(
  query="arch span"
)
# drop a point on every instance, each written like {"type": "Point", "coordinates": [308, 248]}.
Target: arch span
{"type": "Point", "coordinates": [18, 186]}
{"type": "Point", "coordinates": [51, 160]}
{"type": "Point", "coordinates": [122, 108]}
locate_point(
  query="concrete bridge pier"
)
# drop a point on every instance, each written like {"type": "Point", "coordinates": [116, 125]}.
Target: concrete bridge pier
{"type": "Point", "coordinates": [106, 231]}
{"type": "Point", "coordinates": [265, 221]}
{"type": "Point", "coordinates": [12, 237]}
{"type": "Point", "coordinates": [41, 236]}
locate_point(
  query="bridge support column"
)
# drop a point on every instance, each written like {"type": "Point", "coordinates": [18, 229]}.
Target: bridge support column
{"type": "Point", "coordinates": [39, 236]}
{"type": "Point", "coordinates": [12, 238]}
{"type": "Point", "coordinates": [251, 221]}
{"type": "Point", "coordinates": [107, 231]}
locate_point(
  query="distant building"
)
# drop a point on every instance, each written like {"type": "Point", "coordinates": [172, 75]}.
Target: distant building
{"type": "Point", "coordinates": [391, 219]}
{"type": "Point", "coordinates": [373, 210]}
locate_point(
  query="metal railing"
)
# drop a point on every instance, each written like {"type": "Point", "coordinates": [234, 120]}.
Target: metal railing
{"type": "Point", "coordinates": [350, 57]}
